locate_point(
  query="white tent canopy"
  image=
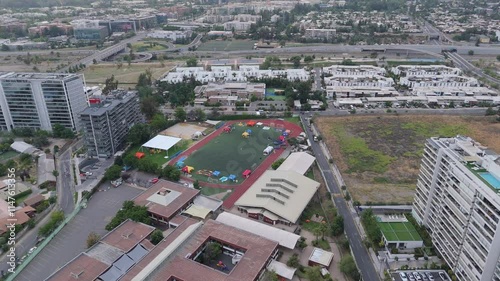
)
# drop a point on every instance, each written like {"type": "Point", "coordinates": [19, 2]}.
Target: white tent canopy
{"type": "Point", "coordinates": [162, 142]}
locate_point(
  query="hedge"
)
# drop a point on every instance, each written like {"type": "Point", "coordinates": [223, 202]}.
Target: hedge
{"type": "Point", "coordinates": [21, 194]}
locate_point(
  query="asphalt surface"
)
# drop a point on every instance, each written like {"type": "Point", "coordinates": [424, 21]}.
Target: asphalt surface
{"type": "Point", "coordinates": [71, 241]}
{"type": "Point", "coordinates": [65, 183]}
{"type": "Point", "coordinates": [360, 253]}
{"type": "Point", "coordinates": [466, 65]}
{"type": "Point", "coordinates": [435, 273]}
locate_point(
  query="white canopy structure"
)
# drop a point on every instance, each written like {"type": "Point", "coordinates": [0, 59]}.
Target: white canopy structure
{"type": "Point", "coordinates": [162, 142]}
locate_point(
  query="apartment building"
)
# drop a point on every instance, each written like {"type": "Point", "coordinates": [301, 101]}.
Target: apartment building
{"type": "Point", "coordinates": [320, 33]}
{"type": "Point", "coordinates": [238, 26]}
{"type": "Point", "coordinates": [457, 200]}
{"type": "Point", "coordinates": [108, 120]}
{"type": "Point", "coordinates": [41, 100]}
{"type": "Point", "coordinates": [229, 93]}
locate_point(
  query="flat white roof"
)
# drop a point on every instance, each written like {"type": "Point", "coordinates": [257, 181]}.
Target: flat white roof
{"type": "Point", "coordinates": [321, 257]}
{"type": "Point", "coordinates": [281, 269]}
{"type": "Point", "coordinates": [284, 238]}
{"type": "Point", "coordinates": [162, 142]}
{"type": "Point", "coordinates": [23, 147]}
{"type": "Point", "coordinates": [290, 196]}
{"type": "Point", "coordinates": [298, 162]}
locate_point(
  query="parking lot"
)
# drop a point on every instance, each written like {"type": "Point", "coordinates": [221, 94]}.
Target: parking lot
{"type": "Point", "coordinates": [72, 239]}
{"type": "Point", "coordinates": [412, 277]}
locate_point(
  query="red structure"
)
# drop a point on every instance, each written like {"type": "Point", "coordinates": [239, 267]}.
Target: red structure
{"type": "Point", "coordinates": [139, 155]}
{"type": "Point", "coordinates": [251, 123]}
{"type": "Point", "coordinates": [246, 173]}
{"type": "Point", "coordinates": [227, 129]}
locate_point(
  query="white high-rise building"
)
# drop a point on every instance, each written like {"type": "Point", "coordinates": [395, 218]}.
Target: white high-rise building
{"type": "Point", "coordinates": [41, 100]}
{"type": "Point", "coordinates": [457, 200]}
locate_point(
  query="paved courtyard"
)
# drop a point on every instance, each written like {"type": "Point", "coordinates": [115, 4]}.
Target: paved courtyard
{"type": "Point", "coordinates": [183, 130]}
{"type": "Point", "coordinates": [72, 239]}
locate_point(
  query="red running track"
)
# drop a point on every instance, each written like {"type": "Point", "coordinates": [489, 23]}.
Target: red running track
{"type": "Point", "coordinates": [245, 185]}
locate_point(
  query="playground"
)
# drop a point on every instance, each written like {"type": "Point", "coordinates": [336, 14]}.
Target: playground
{"type": "Point", "coordinates": [235, 151]}
{"type": "Point", "coordinates": [183, 130]}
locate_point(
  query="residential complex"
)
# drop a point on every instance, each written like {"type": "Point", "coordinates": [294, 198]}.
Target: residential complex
{"type": "Point", "coordinates": [229, 93]}
{"type": "Point", "coordinates": [41, 100]}
{"type": "Point", "coordinates": [226, 73]}
{"type": "Point", "coordinates": [457, 200]}
{"type": "Point", "coordinates": [108, 120]}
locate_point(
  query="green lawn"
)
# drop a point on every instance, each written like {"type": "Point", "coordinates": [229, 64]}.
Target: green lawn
{"type": "Point", "coordinates": [295, 120]}
{"type": "Point", "coordinates": [399, 231]}
{"type": "Point", "coordinates": [208, 191]}
{"type": "Point", "coordinates": [21, 199]}
{"type": "Point", "coordinates": [146, 46]}
{"type": "Point", "coordinates": [231, 153]}
{"type": "Point", "coordinates": [8, 155]}
{"type": "Point", "coordinates": [159, 158]}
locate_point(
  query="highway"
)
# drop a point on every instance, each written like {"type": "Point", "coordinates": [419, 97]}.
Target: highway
{"type": "Point", "coordinates": [466, 65]}
{"type": "Point", "coordinates": [359, 251]}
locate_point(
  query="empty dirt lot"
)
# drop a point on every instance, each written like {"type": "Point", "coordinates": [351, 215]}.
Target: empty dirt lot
{"type": "Point", "coordinates": [379, 156]}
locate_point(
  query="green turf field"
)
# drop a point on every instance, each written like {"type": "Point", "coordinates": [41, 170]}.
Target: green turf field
{"type": "Point", "coordinates": [230, 153]}
{"type": "Point", "coordinates": [399, 231]}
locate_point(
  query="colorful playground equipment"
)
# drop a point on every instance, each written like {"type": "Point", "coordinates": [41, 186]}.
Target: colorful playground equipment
{"type": "Point", "coordinates": [187, 169]}
{"type": "Point", "coordinates": [232, 177]}
{"type": "Point", "coordinates": [180, 163]}
{"type": "Point", "coordinates": [245, 134]}
{"type": "Point", "coordinates": [251, 123]}
{"type": "Point", "coordinates": [223, 179]}
{"type": "Point", "coordinates": [246, 173]}
{"type": "Point", "coordinates": [221, 266]}
{"type": "Point", "coordinates": [228, 129]}
{"type": "Point", "coordinates": [215, 173]}
{"type": "Point", "coordinates": [140, 155]}
{"type": "Point", "coordinates": [249, 131]}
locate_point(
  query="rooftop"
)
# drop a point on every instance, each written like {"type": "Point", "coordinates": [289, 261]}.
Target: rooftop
{"type": "Point", "coordinates": [166, 198]}
{"type": "Point", "coordinates": [108, 103]}
{"type": "Point", "coordinates": [283, 193]}
{"type": "Point", "coordinates": [81, 268]}
{"type": "Point", "coordinates": [298, 162]}
{"type": "Point", "coordinates": [258, 251]}
{"type": "Point", "coordinates": [127, 235]}
{"type": "Point", "coordinates": [37, 76]}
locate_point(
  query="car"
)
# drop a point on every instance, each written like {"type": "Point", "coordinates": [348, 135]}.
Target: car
{"type": "Point", "coordinates": [443, 276]}
{"type": "Point", "coordinates": [88, 173]}
{"type": "Point", "coordinates": [32, 250]}
{"type": "Point", "coordinates": [155, 180]}
{"type": "Point", "coordinates": [429, 275]}
{"type": "Point", "coordinates": [403, 276]}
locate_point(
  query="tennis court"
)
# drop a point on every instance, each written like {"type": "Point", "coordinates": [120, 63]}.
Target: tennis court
{"type": "Point", "coordinates": [399, 231]}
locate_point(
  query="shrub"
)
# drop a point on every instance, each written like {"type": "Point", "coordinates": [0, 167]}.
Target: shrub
{"type": "Point", "coordinates": [293, 261]}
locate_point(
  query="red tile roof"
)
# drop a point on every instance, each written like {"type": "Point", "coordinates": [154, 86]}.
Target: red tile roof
{"type": "Point", "coordinates": [34, 200]}
{"type": "Point", "coordinates": [186, 195]}
{"type": "Point", "coordinates": [258, 252]}
{"type": "Point", "coordinates": [127, 235]}
{"type": "Point", "coordinates": [82, 268]}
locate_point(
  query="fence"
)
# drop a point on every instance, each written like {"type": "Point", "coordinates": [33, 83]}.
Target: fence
{"type": "Point", "coordinates": [23, 265]}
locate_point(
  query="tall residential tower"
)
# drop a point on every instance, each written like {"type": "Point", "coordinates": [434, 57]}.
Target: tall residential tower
{"type": "Point", "coordinates": [457, 200]}
{"type": "Point", "coordinates": [41, 100]}
{"type": "Point", "coordinates": [108, 120]}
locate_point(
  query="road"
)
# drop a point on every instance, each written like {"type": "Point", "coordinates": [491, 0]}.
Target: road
{"type": "Point", "coordinates": [317, 78]}
{"type": "Point", "coordinates": [466, 65]}
{"type": "Point", "coordinates": [65, 183]}
{"type": "Point", "coordinates": [360, 253]}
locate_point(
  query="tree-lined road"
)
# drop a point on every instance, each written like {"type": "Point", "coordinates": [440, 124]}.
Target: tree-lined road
{"type": "Point", "coordinates": [360, 253]}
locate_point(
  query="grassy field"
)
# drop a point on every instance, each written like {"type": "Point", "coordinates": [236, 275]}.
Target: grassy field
{"type": "Point", "coordinates": [208, 191]}
{"type": "Point", "coordinates": [8, 155]}
{"type": "Point", "coordinates": [127, 76]}
{"type": "Point", "coordinates": [231, 153]}
{"type": "Point", "coordinates": [380, 156]}
{"type": "Point", "coordinates": [228, 45]}
{"type": "Point", "coordinates": [146, 46]}
{"type": "Point", "coordinates": [399, 231]}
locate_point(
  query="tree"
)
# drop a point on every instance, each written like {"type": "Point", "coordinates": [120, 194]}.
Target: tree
{"type": "Point", "coordinates": [498, 58]}
{"type": "Point", "coordinates": [337, 225]}
{"type": "Point", "coordinates": [129, 211]}
{"type": "Point", "coordinates": [145, 79]}
{"type": "Point", "coordinates": [139, 133]}
{"type": "Point", "coordinates": [180, 114]}
{"type": "Point", "coordinates": [490, 111]}
{"type": "Point", "coordinates": [471, 52]}
{"type": "Point", "coordinates": [199, 115]}
{"type": "Point", "coordinates": [348, 267]}
{"type": "Point", "coordinates": [314, 273]}
{"type": "Point", "coordinates": [196, 184]}
{"type": "Point", "coordinates": [192, 62]}
{"type": "Point", "coordinates": [110, 84]}
{"type": "Point", "coordinates": [212, 251]}
{"type": "Point", "coordinates": [323, 228]}
{"type": "Point", "coordinates": [149, 106]}
{"type": "Point", "coordinates": [158, 122]}
{"type": "Point", "coordinates": [293, 261]}
{"type": "Point", "coordinates": [277, 163]}
{"type": "Point", "coordinates": [317, 232]}
{"type": "Point", "coordinates": [308, 59]}
{"type": "Point", "coordinates": [92, 239]}
{"type": "Point", "coordinates": [55, 173]}
{"type": "Point", "coordinates": [112, 173]}
{"type": "Point", "coordinates": [156, 236]}
{"type": "Point", "coordinates": [296, 61]}
{"type": "Point", "coordinates": [130, 160]}
{"type": "Point", "coordinates": [5, 48]}
{"type": "Point", "coordinates": [59, 131]}
{"type": "Point", "coordinates": [271, 276]}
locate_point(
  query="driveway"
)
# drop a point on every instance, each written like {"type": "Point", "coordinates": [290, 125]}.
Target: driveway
{"type": "Point", "coordinates": [72, 239]}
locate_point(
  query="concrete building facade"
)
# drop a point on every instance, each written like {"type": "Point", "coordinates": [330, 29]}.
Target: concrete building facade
{"type": "Point", "coordinates": [41, 100]}
{"type": "Point", "coordinates": [107, 122]}
{"type": "Point", "coordinates": [457, 200]}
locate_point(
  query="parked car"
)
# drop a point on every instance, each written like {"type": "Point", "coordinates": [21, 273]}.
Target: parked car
{"type": "Point", "coordinates": [155, 180]}
{"type": "Point", "coordinates": [88, 173]}
{"type": "Point", "coordinates": [403, 276]}
{"type": "Point", "coordinates": [443, 276]}
{"type": "Point", "coordinates": [429, 275]}
{"type": "Point", "coordinates": [32, 250]}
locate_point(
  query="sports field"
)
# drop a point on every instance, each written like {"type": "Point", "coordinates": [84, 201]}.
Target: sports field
{"type": "Point", "coordinates": [231, 153]}
{"type": "Point", "coordinates": [228, 45]}
{"type": "Point", "coordinates": [399, 231]}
